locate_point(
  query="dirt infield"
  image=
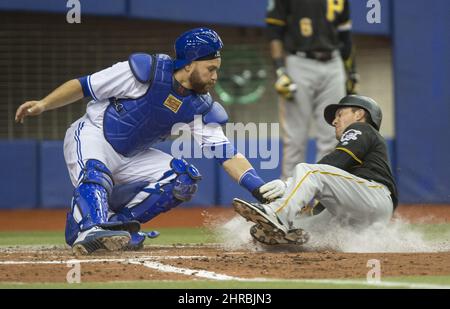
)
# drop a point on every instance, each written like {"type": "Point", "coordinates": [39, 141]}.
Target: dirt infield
{"type": "Point", "coordinates": [209, 262]}
{"type": "Point", "coordinates": [214, 262]}
{"type": "Point", "coordinates": [54, 220]}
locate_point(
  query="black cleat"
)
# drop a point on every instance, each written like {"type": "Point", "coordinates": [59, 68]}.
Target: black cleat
{"type": "Point", "coordinates": [260, 214]}
{"type": "Point", "coordinates": [268, 229]}
{"type": "Point", "coordinates": [274, 237]}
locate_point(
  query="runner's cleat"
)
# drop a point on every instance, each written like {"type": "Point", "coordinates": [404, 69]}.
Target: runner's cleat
{"type": "Point", "coordinates": [276, 237]}
{"type": "Point", "coordinates": [260, 214]}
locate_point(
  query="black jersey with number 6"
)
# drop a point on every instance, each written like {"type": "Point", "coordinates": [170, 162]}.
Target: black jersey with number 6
{"type": "Point", "coordinates": [309, 25]}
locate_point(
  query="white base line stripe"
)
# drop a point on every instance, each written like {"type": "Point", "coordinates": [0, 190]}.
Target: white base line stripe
{"type": "Point", "coordinates": [150, 262]}
{"type": "Point", "coordinates": [215, 276]}
{"type": "Point", "coordinates": [186, 271]}
{"type": "Point", "coordinates": [139, 260]}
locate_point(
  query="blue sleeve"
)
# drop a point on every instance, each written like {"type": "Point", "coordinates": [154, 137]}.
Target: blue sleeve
{"type": "Point", "coordinates": [251, 180]}
{"type": "Point", "coordinates": [84, 85]}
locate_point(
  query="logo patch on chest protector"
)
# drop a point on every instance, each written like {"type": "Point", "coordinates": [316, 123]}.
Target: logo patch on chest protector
{"type": "Point", "coordinates": [172, 103]}
{"type": "Point", "coordinates": [349, 135]}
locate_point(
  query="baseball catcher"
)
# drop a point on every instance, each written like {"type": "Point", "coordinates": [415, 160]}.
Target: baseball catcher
{"type": "Point", "coordinates": [120, 180]}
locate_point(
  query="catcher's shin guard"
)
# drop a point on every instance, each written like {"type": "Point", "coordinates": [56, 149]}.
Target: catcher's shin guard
{"type": "Point", "coordinates": [177, 185]}
{"type": "Point", "coordinates": [90, 200]}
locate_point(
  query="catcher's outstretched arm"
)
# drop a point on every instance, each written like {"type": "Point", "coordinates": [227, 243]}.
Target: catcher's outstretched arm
{"type": "Point", "coordinates": [67, 93]}
{"type": "Point", "coordinates": [237, 166]}
{"type": "Point", "coordinates": [243, 172]}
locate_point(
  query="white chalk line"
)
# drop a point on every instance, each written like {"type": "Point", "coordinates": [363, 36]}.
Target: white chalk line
{"type": "Point", "coordinates": [186, 271]}
{"type": "Point", "coordinates": [123, 260]}
{"type": "Point", "coordinates": [152, 263]}
{"type": "Point", "coordinates": [221, 277]}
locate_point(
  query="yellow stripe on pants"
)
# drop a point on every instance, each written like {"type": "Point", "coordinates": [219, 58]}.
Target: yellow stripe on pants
{"type": "Point", "coordinates": [324, 173]}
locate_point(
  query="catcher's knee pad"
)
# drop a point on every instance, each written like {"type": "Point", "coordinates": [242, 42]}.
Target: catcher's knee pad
{"type": "Point", "coordinates": [185, 184]}
{"type": "Point", "coordinates": [177, 185]}
{"type": "Point", "coordinates": [90, 200]}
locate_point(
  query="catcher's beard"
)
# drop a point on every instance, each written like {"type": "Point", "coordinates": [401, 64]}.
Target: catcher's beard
{"type": "Point", "coordinates": [197, 84]}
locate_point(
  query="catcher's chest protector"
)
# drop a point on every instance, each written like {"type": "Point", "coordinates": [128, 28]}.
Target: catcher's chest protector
{"type": "Point", "coordinates": [133, 125]}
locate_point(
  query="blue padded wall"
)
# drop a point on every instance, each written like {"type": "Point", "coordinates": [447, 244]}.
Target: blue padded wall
{"type": "Point", "coordinates": [233, 12]}
{"type": "Point", "coordinates": [19, 174]}
{"type": "Point", "coordinates": [55, 185]}
{"type": "Point", "coordinates": [111, 7]}
{"type": "Point", "coordinates": [422, 100]}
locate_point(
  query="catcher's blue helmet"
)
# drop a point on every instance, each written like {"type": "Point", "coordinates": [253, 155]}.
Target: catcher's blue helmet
{"type": "Point", "coordinates": [196, 44]}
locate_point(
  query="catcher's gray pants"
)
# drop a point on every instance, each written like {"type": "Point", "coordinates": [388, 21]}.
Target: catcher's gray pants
{"type": "Point", "coordinates": [348, 199]}
{"type": "Point", "coordinates": [318, 85]}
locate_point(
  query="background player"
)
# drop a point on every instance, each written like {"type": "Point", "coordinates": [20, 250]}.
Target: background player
{"type": "Point", "coordinates": [120, 180]}
{"type": "Point", "coordinates": [308, 42]}
{"type": "Point", "coordinates": [354, 182]}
